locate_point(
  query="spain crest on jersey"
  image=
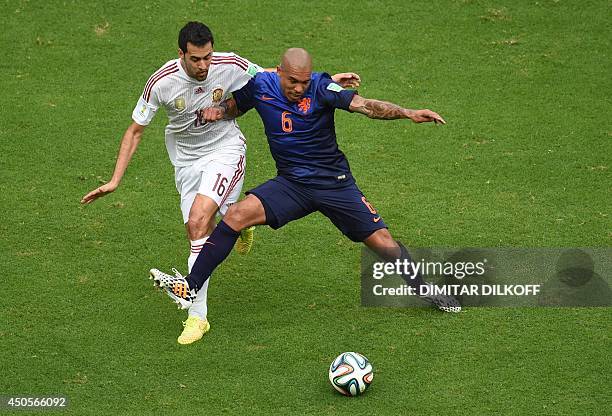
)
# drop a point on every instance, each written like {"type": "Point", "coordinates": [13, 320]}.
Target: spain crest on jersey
{"type": "Point", "coordinates": [217, 94]}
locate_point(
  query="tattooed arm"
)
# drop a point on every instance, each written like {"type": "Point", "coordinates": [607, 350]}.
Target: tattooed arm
{"type": "Point", "coordinates": [230, 108]}
{"type": "Point", "coordinates": [225, 110]}
{"type": "Point", "coordinates": [388, 111]}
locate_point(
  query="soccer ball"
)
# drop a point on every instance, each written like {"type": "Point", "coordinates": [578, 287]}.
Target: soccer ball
{"type": "Point", "coordinates": [350, 373]}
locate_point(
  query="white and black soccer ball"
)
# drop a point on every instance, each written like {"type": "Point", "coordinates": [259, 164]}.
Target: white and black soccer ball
{"type": "Point", "coordinates": [350, 373]}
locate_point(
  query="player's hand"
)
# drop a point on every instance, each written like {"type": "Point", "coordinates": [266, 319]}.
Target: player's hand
{"type": "Point", "coordinates": [105, 189]}
{"type": "Point", "coordinates": [212, 114]}
{"type": "Point", "coordinates": [347, 80]}
{"type": "Point", "coordinates": [426, 116]}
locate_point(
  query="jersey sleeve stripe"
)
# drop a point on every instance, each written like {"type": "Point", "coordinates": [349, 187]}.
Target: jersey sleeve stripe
{"type": "Point", "coordinates": [244, 68]}
{"type": "Point", "coordinates": [172, 65]}
{"type": "Point", "coordinates": [240, 59]}
{"type": "Point", "coordinates": [147, 92]}
{"type": "Point", "coordinates": [158, 75]}
{"type": "Point", "coordinates": [229, 61]}
{"type": "Point", "coordinates": [234, 57]}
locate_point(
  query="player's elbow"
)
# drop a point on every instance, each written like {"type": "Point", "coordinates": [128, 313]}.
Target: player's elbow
{"type": "Point", "coordinates": [135, 130]}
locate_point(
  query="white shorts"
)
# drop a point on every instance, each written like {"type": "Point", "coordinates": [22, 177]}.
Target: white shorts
{"type": "Point", "coordinates": [219, 176]}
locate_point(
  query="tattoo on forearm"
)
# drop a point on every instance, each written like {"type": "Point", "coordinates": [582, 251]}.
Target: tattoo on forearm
{"type": "Point", "coordinates": [382, 110]}
{"type": "Point", "coordinates": [231, 109]}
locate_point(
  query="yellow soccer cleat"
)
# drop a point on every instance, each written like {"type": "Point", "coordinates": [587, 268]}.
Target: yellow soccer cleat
{"type": "Point", "coordinates": [195, 328]}
{"type": "Point", "coordinates": [245, 241]}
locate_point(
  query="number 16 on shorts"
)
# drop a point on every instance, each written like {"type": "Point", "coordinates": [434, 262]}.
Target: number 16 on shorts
{"type": "Point", "coordinates": [223, 183]}
{"type": "Point", "coordinates": [220, 185]}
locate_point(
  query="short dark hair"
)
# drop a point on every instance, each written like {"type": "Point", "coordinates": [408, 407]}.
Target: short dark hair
{"type": "Point", "coordinates": [196, 33]}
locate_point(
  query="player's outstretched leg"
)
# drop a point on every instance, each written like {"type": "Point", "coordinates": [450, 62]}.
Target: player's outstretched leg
{"type": "Point", "coordinates": [218, 247]}
{"type": "Point", "coordinates": [245, 241]}
{"type": "Point", "coordinates": [246, 213]}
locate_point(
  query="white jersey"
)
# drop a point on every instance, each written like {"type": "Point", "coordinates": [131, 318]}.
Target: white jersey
{"type": "Point", "coordinates": [188, 138]}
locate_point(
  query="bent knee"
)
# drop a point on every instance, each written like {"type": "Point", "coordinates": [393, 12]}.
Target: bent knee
{"type": "Point", "coordinates": [236, 215]}
{"type": "Point", "coordinates": [381, 238]}
{"type": "Point", "coordinates": [239, 216]}
{"type": "Point", "coordinates": [196, 221]}
{"type": "Point", "coordinates": [199, 226]}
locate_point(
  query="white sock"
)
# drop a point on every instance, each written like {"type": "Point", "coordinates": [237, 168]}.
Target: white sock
{"type": "Point", "coordinates": [199, 307]}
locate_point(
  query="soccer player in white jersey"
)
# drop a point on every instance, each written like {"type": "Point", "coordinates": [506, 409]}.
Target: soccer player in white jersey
{"type": "Point", "coordinates": [209, 158]}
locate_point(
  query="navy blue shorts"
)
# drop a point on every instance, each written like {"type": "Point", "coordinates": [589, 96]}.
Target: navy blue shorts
{"type": "Point", "coordinates": [346, 207]}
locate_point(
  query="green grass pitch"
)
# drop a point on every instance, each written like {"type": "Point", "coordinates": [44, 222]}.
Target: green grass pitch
{"type": "Point", "coordinates": [524, 161]}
